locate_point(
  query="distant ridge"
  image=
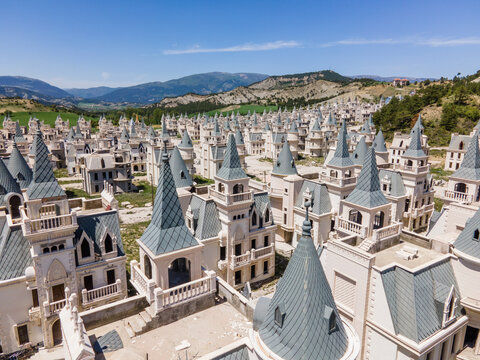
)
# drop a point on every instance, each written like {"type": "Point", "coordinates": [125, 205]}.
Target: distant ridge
{"type": "Point", "coordinates": [90, 93]}
{"type": "Point", "coordinates": [34, 85]}
{"type": "Point", "coordinates": [390, 78]}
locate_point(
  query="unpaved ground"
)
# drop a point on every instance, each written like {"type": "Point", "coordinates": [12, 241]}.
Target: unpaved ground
{"type": "Point", "coordinates": [135, 215]}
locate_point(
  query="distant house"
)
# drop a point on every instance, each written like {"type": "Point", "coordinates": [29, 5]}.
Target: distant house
{"type": "Point", "coordinates": [399, 82]}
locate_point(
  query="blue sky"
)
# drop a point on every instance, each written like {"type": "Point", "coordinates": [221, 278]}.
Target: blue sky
{"type": "Point", "coordinates": [118, 43]}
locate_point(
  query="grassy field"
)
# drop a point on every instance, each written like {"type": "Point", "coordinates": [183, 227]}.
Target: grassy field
{"type": "Point", "coordinates": [48, 117]}
{"type": "Point", "coordinates": [440, 174]}
{"type": "Point", "coordinates": [130, 233]}
{"type": "Point", "coordinates": [243, 109]}
{"type": "Point", "coordinates": [200, 180]}
{"type": "Point", "coordinates": [138, 199]}
{"type": "Point", "coordinates": [77, 193]}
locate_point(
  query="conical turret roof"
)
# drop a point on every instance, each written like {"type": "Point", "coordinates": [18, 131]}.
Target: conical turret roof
{"type": "Point", "coordinates": [470, 167]}
{"type": "Point", "coordinates": [7, 183]}
{"type": "Point", "coordinates": [216, 128]}
{"type": "Point", "coordinates": [239, 137]}
{"type": "Point", "coordinates": [231, 168]}
{"type": "Point", "coordinates": [367, 192]}
{"type": "Point", "coordinates": [379, 143]}
{"type": "Point", "coordinates": [415, 149]}
{"type": "Point", "coordinates": [18, 133]}
{"type": "Point", "coordinates": [186, 142]}
{"type": "Point", "coordinates": [293, 128]}
{"type": "Point", "coordinates": [358, 156]}
{"type": "Point", "coordinates": [18, 167]}
{"type": "Point", "coordinates": [165, 134]}
{"type": "Point", "coordinates": [341, 158]}
{"type": "Point", "coordinates": [316, 126]}
{"type": "Point", "coordinates": [151, 133]}
{"type": "Point", "coordinates": [124, 136]}
{"type": "Point", "coordinates": [44, 184]}
{"type": "Point", "coordinates": [167, 231]}
{"type": "Point", "coordinates": [179, 170]}
{"type": "Point", "coordinates": [285, 165]}
{"type": "Point", "coordinates": [302, 321]}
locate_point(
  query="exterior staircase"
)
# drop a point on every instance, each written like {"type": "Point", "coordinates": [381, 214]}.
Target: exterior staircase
{"type": "Point", "coordinates": [140, 323]}
{"type": "Point", "coordinates": [367, 245]}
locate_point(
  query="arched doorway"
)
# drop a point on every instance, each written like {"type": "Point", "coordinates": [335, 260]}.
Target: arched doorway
{"type": "Point", "coordinates": [378, 220]}
{"type": "Point", "coordinates": [15, 204]}
{"type": "Point", "coordinates": [178, 272]}
{"type": "Point", "coordinates": [238, 189]}
{"type": "Point", "coordinates": [461, 187]}
{"type": "Point", "coordinates": [355, 216]}
{"type": "Point", "coordinates": [57, 333]}
{"type": "Point", "coordinates": [148, 267]}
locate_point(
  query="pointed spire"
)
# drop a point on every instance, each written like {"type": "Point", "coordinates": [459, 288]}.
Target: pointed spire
{"type": "Point", "coordinates": [19, 168]}
{"type": "Point", "coordinates": [285, 165]}
{"type": "Point", "coordinates": [165, 134]}
{"type": "Point", "coordinates": [418, 127]}
{"type": "Point", "coordinates": [366, 128]}
{"type": "Point", "coordinates": [167, 231]}
{"type": "Point", "coordinates": [124, 136]}
{"type": "Point", "coordinates": [44, 184]}
{"type": "Point", "coordinates": [231, 167]}
{"type": "Point", "coordinates": [151, 133]}
{"type": "Point", "coordinates": [316, 125]}
{"type": "Point", "coordinates": [179, 170]}
{"type": "Point", "coordinates": [133, 131]}
{"type": "Point", "coordinates": [293, 127]}
{"type": "Point", "coordinates": [239, 137]}
{"type": "Point", "coordinates": [7, 182]}
{"type": "Point", "coordinates": [18, 133]}
{"type": "Point", "coordinates": [470, 167]}
{"type": "Point", "coordinates": [186, 142]}
{"type": "Point", "coordinates": [379, 143]}
{"type": "Point", "coordinates": [302, 320]}
{"type": "Point", "coordinates": [415, 149]}
{"type": "Point", "coordinates": [216, 128]}
{"type": "Point", "coordinates": [358, 156]}
{"type": "Point", "coordinates": [341, 158]}
{"type": "Point", "coordinates": [367, 192]}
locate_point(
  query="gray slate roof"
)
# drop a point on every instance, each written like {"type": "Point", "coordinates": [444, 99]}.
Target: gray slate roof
{"type": "Point", "coordinates": [379, 143]}
{"type": "Point", "coordinates": [18, 133]}
{"type": "Point", "coordinates": [466, 241]}
{"type": "Point", "coordinates": [180, 173]}
{"type": "Point", "coordinates": [304, 297]}
{"type": "Point", "coordinates": [261, 201]}
{"type": "Point", "coordinates": [285, 165]}
{"type": "Point", "coordinates": [415, 147]}
{"type": "Point", "coordinates": [396, 182]}
{"type": "Point", "coordinates": [124, 135]}
{"type": "Point", "coordinates": [14, 252]}
{"type": "Point", "coordinates": [416, 300]}
{"type": "Point", "coordinates": [367, 192]}
{"type": "Point", "coordinates": [239, 137]}
{"type": "Point", "coordinates": [470, 166]}
{"type": "Point", "coordinates": [341, 157]}
{"type": "Point", "coordinates": [279, 138]}
{"type": "Point", "coordinates": [231, 168]}
{"type": "Point", "coordinates": [96, 225]}
{"type": "Point", "coordinates": [316, 126]}
{"type": "Point", "coordinates": [7, 183]}
{"type": "Point", "coordinates": [358, 155]}
{"type": "Point", "coordinates": [44, 184]}
{"type": "Point", "coordinates": [320, 203]}
{"type": "Point", "coordinates": [456, 139]}
{"type": "Point", "coordinates": [19, 168]}
{"type": "Point", "coordinates": [167, 231]}
{"type": "Point", "coordinates": [236, 354]}
{"type": "Point", "coordinates": [205, 218]}
{"type": "Point", "coordinates": [186, 142]}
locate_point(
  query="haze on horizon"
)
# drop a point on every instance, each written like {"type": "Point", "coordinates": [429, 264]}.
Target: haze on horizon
{"type": "Point", "coordinates": [121, 43]}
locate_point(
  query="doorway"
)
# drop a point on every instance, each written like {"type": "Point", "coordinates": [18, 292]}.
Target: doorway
{"type": "Point", "coordinates": [58, 292]}
{"type": "Point", "coordinates": [179, 272]}
{"type": "Point", "coordinates": [57, 333]}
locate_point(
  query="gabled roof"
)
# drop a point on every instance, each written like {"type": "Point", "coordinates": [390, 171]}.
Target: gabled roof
{"type": "Point", "coordinates": [320, 200]}
{"type": "Point", "coordinates": [305, 303]}
{"type": "Point", "coordinates": [205, 218]}
{"type": "Point", "coordinates": [96, 226]}
{"type": "Point", "coordinates": [7, 183]}
{"type": "Point", "coordinates": [414, 149]}
{"type": "Point", "coordinates": [379, 143]}
{"type": "Point", "coordinates": [18, 167]}
{"type": "Point", "coordinates": [278, 138]}
{"type": "Point", "coordinates": [267, 126]}
{"type": "Point", "coordinates": [416, 300]}
{"type": "Point", "coordinates": [231, 168]}
{"type": "Point", "coordinates": [167, 231]}
{"type": "Point", "coordinates": [14, 251]}
{"type": "Point", "coordinates": [470, 167]}
{"type": "Point", "coordinates": [285, 165]}
{"type": "Point", "coordinates": [186, 142]}
{"type": "Point", "coordinates": [358, 155]}
{"type": "Point", "coordinates": [44, 184]}
{"type": "Point", "coordinates": [180, 173]}
{"type": "Point", "coordinates": [261, 201]}
{"type": "Point", "coordinates": [341, 157]}
{"type": "Point", "coordinates": [467, 242]}
{"type": "Point", "coordinates": [367, 192]}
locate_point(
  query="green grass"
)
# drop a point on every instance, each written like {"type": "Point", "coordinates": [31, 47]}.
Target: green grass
{"type": "Point", "coordinates": [200, 180]}
{"type": "Point", "coordinates": [440, 174]}
{"type": "Point", "coordinates": [66, 182]}
{"type": "Point", "coordinates": [77, 193]}
{"type": "Point", "coordinates": [244, 109]}
{"type": "Point", "coordinates": [60, 173]}
{"type": "Point", "coordinates": [256, 178]}
{"type": "Point", "coordinates": [265, 159]}
{"type": "Point", "coordinates": [130, 234]}
{"type": "Point", "coordinates": [48, 117]}
{"type": "Point", "coordinates": [138, 199]}
{"type": "Point", "coordinates": [140, 174]}
{"type": "Point", "coordinates": [438, 204]}
{"type": "Point", "coordinates": [438, 153]}
{"type": "Point", "coordinates": [310, 160]}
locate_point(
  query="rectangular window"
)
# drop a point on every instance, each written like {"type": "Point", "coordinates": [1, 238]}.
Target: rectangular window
{"type": "Point", "coordinates": [253, 244]}
{"type": "Point", "coordinates": [265, 241]}
{"type": "Point", "coordinates": [453, 344]}
{"type": "Point", "coordinates": [88, 282]}
{"type": "Point", "coordinates": [104, 175]}
{"type": "Point", "coordinates": [22, 332]}
{"type": "Point", "coordinates": [35, 298]}
{"type": "Point", "coordinates": [238, 277]}
{"type": "Point", "coordinates": [110, 175]}
{"type": "Point", "coordinates": [238, 249]}
{"type": "Point", "coordinates": [111, 276]}
{"type": "Point", "coordinates": [265, 267]}
{"type": "Point", "coordinates": [252, 272]}
{"type": "Point", "coordinates": [285, 219]}
{"type": "Point", "coordinates": [223, 252]}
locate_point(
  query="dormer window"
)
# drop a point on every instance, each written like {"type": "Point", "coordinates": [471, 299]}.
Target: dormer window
{"type": "Point", "coordinates": [254, 218]}
{"type": "Point", "coordinates": [85, 248]}
{"type": "Point", "coordinates": [267, 216]}
{"type": "Point", "coordinates": [476, 235]}
{"type": "Point", "coordinates": [279, 315]}
{"type": "Point", "coordinates": [182, 175]}
{"type": "Point", "coordinates": [331, 317]}
{"type": "Point", "coordinates": [449, 308]}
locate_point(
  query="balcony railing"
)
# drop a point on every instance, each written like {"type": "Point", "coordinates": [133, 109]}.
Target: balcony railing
{"type": "Point", "coordinates": [230, 198]}
{"type": "Point", "coordinates": [249, 256]}
{"type": "Point", "coordinates": [49, 223]}
{"type": "Point", "coordinates": [386, 232]}
{"type": "Point", "coordinates": [458, 196]}
{"type": "Point", "coordinates": [338, 181]}
{"type": "Point", "coordinates": [240, 260]}
{"type": "Point", "coordinates": [350, 227]}
{"type": "Point", "coordinates": [101, 293]}
{"type": "Point", "coordinates": [413, 169]}
{"type": "Point", "coordinates": [185, 292]}
{"type": "Point", "coordinates": [423, 210]}
{"type": "Point", "coordinates": [275, 191]}
{"type": "Point", "coordinates": [266, 251]}
{"type": "Point", "coordinates": [140, 282]}
{"type": "Point", "coordinates": [53, 307]}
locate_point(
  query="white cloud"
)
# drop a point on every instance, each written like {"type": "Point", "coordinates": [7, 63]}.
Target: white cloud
{"type": "Point", "coordinates": [433, 42]}
{"type": "Point", "coordinates": [275, 45]}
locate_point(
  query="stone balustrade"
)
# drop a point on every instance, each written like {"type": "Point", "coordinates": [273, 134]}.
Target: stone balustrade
{"type": "Point", "coordinates": [458, 196]}
{"type": "Point", "coordinates": [140, 282]}
{"type": "Point", "coordinates": [101, 293]}
{"type": "Point", "coordinates": [413, 169]}
{"type": "Point", "coordinates": [185, 292]}
{"type": "Point", "coordinates": [249, 256]}
{"type": "Point", "coordinates": [350, 227]}
{"type": "Point", "coordinates": [49, 223]}
{"type": "Point", "coordinates": [229, 198]}
{"type": "Point", "coordinates": [266, 251]}
{"type": "Point", "coordinates": [387, 231]}
{"type": "Point", "coordinates": [423, 210]}
{"type": "Point", "coordinates": [52, 308]}
{"type": "Point", "coordinates": [338, 181]}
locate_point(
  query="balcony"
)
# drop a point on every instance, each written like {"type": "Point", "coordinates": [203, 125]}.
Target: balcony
{"type": "Point", "coordinates": [387, 232]}
{"type": "Point", "coordinates": [50, 223]}
{"type": "Point", "coordinates": [350, 227]}
{"type": "Point", "coordinates": [90, 297]}
{"type": "Point", "coordinates": [140, 282]}
{"type": "Point", "coordinates": [458, 196]}
{"type": "Point", "coordinates": [53, 307]}
{"type": "Point", "coordinates": [275, 192]}
{"type": "Point", "coordinates": [338, 181]}
{"type": "Point", "coordinates": [249, 256]}
{"type": "Point", "coordinates": [423, 210]}
{"type": "Point", "coordinates": [229, 199]}
{"type": "Point", "coordinates": [412, 169]}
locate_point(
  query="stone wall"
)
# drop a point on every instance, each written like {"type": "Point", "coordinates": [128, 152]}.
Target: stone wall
{"type": "Point", "coordinates": [414, 238]}
{"type": "Point", "coordinates": [112, 312]}
{"type": "Point", "coordinates": [234, 298]}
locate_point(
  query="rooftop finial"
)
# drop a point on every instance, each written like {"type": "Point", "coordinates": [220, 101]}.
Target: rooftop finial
{"type": "Point", "coordinates": [165, 153]}
{"type": "Point", "coordinates": [307, 226]}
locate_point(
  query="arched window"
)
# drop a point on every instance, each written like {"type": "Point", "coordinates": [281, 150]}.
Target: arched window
{"type": "Point", "coordinates": [476, 235]}
{"type": "Point", "coordinates": [182, 175]}
{"type": "Point", "coordinates": [267, 216]}
{"type": "Point", "coordinates": [460, 146]}
{"type": "Point", "coordinates": [15, 203]}
{"type": "Point", "coordinates": [108, 244]}
{"type": "Point", "coordinates": [238, 188]}
{"type": "Point", "coordinates": [148, 267]}
{"type": "Point", "coordinates": [254, 218]}
{"type": "Point", "coordinates": [102, 162]}
{"type": "Point", "coordinates": [85, 248]}
{"type": "Point", "coordinates": [54, 248]}
{"type": "Point", "coordinates": [401, 143]}
{"type": "Point", "coordinates": [46, 250]}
